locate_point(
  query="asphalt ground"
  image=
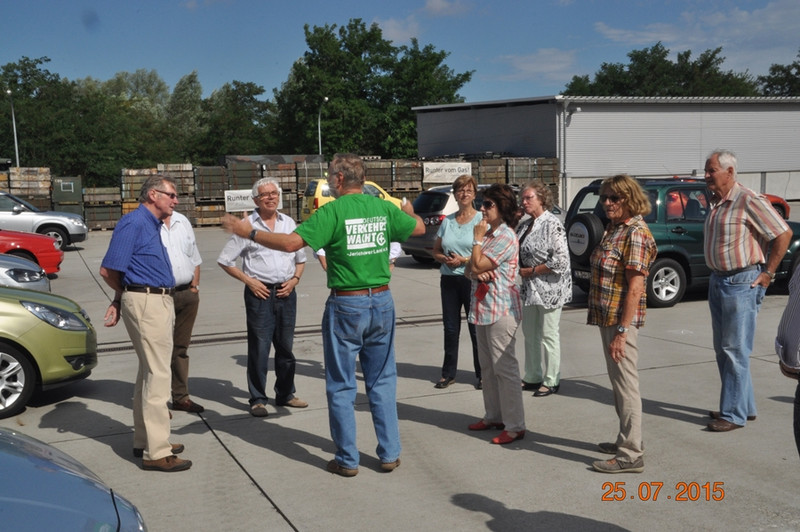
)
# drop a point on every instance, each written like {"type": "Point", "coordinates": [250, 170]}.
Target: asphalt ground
{"type": "Point", "coordinates": [269, 473]}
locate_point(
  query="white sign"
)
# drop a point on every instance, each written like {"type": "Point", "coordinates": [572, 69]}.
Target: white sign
{"type": "Point", "coordinates": [242, 200]}
{"type": "Point", "coordinates": [444, 172]}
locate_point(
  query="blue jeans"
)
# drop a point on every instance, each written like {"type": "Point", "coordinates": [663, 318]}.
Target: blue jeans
{"type": "Point", "coordinates": [270, 321]}
{"type": "Point", "coordinates": [455, 296]}
{"type": "Point", "coordinates": [363, 327]}
{"type": "Point", "coordinates": [734, 307]}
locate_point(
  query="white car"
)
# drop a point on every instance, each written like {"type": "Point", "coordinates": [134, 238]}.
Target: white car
{"type": "Point", "coordinates": [17, 272]}
{"type": "Point", "coordinates": [17, 214]}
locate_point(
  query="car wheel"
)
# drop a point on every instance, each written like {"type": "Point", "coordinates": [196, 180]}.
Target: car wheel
{"type": "Point", "coordinates": [779, 209]}
{"type": "Point", "coordinates": [421, 259]}
{"type": "Point", "coordinates": [17, 381]}
{"type": "Point", "coordinates": [582, 284]}
{"type": "Point", "coordinates": [62, 239]}
{"type": "Point", "coordinates": [666, 283]}
{"type": "Point", "coordinates": [23, 254]}
{"type": "Point", "coordinates": [583, 234]}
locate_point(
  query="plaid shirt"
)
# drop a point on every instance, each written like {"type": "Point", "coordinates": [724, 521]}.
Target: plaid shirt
{"type": "Point", "coordinates": [501, 247]}
{"type": "Point", "coordinates": [625, 246]}
{"type": "Point", "coordinates": [739, 228]}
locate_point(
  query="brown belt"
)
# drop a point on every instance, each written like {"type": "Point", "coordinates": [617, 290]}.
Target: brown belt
{"type": "Point", "coordinates": [363, 292]}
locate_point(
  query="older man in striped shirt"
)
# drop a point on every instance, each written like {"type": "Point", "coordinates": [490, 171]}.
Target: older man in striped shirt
{"type": "Point", "coordinates": [745, 240]}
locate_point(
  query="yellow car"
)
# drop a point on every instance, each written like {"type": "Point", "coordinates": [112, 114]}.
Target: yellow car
{"type": "Point", "coordinates": [317, 194]}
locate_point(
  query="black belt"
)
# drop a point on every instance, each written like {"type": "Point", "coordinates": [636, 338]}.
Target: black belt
{"type": "Point", "coordinates": [181, 288]}
{"type": "Point", "coordinates": [363, 292]}
{"type": "Point", "coordinates": [161, 290]}
{"type": "Point", "coordinates": [734, 272]}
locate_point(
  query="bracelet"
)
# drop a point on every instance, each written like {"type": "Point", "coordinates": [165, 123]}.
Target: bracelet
{"type": "Point", "coordinates": [771, 274]}
{"type": "Point", "coordinates": [296, 277]}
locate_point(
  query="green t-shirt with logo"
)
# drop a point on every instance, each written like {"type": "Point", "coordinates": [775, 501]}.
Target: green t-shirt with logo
{"type": "Point", "coordinates": [356, 231]}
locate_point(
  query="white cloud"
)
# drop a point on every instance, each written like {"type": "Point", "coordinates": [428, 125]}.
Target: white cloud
{"type": "Point", "coordinates": [750, 40]}
{"type": "Point", "coordinates": [446, 8]}
{"type": "Point", "coordinates": [399, 31]}
{"type": "Point", "coordinates": [548, 64]}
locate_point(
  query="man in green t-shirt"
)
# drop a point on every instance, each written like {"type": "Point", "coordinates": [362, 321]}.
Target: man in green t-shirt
{"type": "Point", "coordinates": [359, 320]}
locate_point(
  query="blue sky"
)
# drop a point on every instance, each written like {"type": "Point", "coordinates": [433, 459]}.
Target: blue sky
{"type": "Point", "coordinates": [518, 49]}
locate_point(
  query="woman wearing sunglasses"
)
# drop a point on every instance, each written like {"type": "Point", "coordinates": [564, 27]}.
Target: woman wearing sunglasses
{"type": "Point", "coordinates": [495, 311]}
{"type": "Point", "coordinates": [620, 264]}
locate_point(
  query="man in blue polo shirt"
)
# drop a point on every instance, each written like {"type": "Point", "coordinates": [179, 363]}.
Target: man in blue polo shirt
{"type": "Point", "coordinates": [137, 268]}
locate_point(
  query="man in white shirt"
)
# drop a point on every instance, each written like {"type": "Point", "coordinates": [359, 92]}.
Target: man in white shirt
{"type": "Point", "coordinates": [178, 237]}
{"type": "Point", "coordinates": [270, 300]}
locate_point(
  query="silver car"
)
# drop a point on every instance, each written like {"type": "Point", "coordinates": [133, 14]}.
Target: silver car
{"type": "Point", "coordinates": [16, 214]}
{"type": "Point", "coordinates": [17, 272]}
{"type": "Point", "coordinates": [44, 488]}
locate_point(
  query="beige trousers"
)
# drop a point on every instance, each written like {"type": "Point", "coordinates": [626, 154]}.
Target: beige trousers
{"type": "Point", "coordinates": [149, 319]}
{"type": "Point", "coordinates": [502, 393]}
{"type": "Point", "coordinates": [627, 400]}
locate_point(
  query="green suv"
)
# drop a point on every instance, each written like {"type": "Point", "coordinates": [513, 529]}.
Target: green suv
{"type": "Point", "coordinates": [676, 221]}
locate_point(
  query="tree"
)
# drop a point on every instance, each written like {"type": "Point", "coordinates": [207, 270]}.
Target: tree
{"type": "Point", "coordinates": [651, 73]}
{"type": "Point", "coordinates": [185, 119]}
{"type": "Point", "coordinates": [782, 80]}
{"type": "Point", "coordinates": [371, 85]}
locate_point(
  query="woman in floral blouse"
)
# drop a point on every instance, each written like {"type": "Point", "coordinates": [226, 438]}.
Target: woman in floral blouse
{"type": "Point", "coordinates": [546, 287]}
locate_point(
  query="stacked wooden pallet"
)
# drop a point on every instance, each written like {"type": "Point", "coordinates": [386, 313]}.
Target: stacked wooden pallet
{"type": "Point", "coordinates": [407, 175]}
{"type": "Point", "coordinates": [183, 175]}
{"type": "Point", "coordinates": [379, 172]}
{"type": "Point", "coordinates": [488, 171]}
{"type": "Point", "coordinates": [102, 207]}
{"type": "Point", "coordinates": [210, 184]}
{"type": "Point", "coordinates": [31, 184]}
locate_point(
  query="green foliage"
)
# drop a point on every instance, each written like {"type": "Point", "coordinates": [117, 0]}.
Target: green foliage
{"type": "Point", "coordinates": [782, 80]}
{"type": "Point", "coordinates": [651, 73]}
{"type": "Point", "coordinates": [371, 86]}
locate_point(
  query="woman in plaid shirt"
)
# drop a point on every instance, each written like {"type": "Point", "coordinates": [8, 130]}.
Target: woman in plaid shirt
{"type": "Point", "coordinates": [620, 264]}
{"type": "Point", "coordinates": [495, 310]}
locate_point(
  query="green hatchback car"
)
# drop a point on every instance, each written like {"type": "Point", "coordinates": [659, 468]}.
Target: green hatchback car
{"type": "Point", "coordinates": [676, 221]}
{"type": "Point", "coordinates": [45, 340]}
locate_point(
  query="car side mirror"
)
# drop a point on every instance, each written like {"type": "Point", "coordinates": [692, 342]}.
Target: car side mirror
{"type": "Point", "coordinates": [16, 209]}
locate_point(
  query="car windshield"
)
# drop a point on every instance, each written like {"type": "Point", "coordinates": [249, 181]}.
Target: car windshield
{"type": "Point", "coordinates": [430, 202]}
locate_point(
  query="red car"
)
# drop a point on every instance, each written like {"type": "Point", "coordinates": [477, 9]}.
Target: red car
{"type": "Point", "coordinates": [779, 204]}
{"type": "Point", "coordinates": [41, 249]}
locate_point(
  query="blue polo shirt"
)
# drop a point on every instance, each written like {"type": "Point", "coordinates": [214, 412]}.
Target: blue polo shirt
{"type": "Point", "coordinates": [137, 252]}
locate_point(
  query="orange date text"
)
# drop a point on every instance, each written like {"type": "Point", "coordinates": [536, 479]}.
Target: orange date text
{"type": "Point", "coordinates": [651, 491]}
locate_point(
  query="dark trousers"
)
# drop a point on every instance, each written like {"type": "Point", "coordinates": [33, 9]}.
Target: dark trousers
{"type": "Point", "coordinates": [270, 322]}
{"type": "Point", "coordinates": [455, 296]}
{"type": "Point", "coordinates": [186, 305]}
{"type": "Point", "coordinates": [797, 417]}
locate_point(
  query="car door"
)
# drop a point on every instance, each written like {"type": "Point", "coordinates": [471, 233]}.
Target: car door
{"type": "Point", "coordinates": [686, 209]}
{"type": "Point", "coordinates": [21, 220]}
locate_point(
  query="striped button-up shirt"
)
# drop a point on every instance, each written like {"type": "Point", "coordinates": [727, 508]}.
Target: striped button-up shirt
{"type": "Point", "coordinates": [739, 228]}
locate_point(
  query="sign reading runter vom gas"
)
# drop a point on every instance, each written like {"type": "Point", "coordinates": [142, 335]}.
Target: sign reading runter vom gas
{"type": "Point", "coordinates": [444, 172]}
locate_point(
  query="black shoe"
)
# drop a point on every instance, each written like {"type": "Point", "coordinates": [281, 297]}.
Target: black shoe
{"type": "Point", "coordinates": [444, 383]}
{"type": "Point", "coordinates": [479, 384]}
{"type": "Point", "coordinates": [548, 390]}
{"type": "Point", "coordinates": [528, 386]}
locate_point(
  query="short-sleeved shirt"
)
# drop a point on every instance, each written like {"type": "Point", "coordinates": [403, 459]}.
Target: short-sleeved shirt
{"type": "Point", "coordinates": [501, 247]}
{"type": "Point", "coordinates": [739, 228]}
{"type": "Point", "coordinates": [356, 231]}
{"type": "Point", "coordinates": [267, 265]}
{"type": "Point", "coordinates": [625, 246]}
{"type": "Point", "coordinates": [181, 246]}
{"type": "Point", "coordinates": [457, 238]}
{"type": "Point", "coordinates": [136, 251]}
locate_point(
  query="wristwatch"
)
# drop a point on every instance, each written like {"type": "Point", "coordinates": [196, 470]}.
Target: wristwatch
{"type": "Point", "coordinates": [477, 243]}
{"type": "Point", "coordinates": [621, 329]}
{"type": "Point", "coordinates": [253, 235]}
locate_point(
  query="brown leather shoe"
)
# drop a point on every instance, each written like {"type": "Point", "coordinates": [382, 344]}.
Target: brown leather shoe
{"type": "Point", "coordinates": [295, 402]}
{"type": "Point", "coordinates": [168, 464]}
{"type": "Point", "coordinates": [722, 425]}
{"type": "Point", "coordinates": [714, 414]}
{"type": "Point", "coordinates": [390, 466]}
{"type": "Point", "coordinates": [334, 467]}
{"type": "Point", "coordinates": [177, 448]}
{"type": "Point", "coordinates": [187, 405]}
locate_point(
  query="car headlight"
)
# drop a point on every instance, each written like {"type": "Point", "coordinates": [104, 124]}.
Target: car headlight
{"type": "Point", "coordinates": [22, 275]}
{"type": "Point", "coordinates": [79, 223]}
{"type": "Point", "coordinates": [56, 317]}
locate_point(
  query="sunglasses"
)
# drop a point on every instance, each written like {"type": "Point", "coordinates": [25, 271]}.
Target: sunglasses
{"type": "Point", "coordinates": [171, 195]}
{"type": "Point", "coordinates": [487, 204]}
{"type": "Point", "coordinates": [612, 198]}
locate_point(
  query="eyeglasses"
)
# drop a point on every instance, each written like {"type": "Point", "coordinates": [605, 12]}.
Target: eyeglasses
{"type": "Point", "coordinates": [171, 195]}
{"type": "Point", "coordinates": [528, 198]}
{"type": "Point", "coordinates": [613, 198]}
{"type": "Point", "coordinates": [487, 204]}
{"type": "Point", "coordinates": [464, 192]}
{"type": "Point", "coordinates": [268, 195]}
